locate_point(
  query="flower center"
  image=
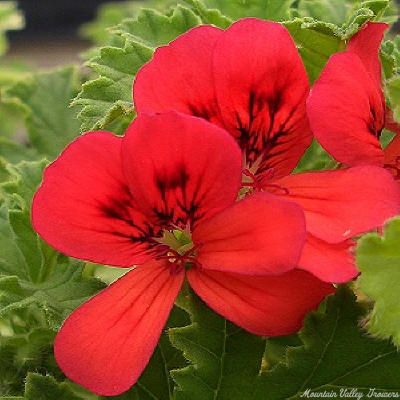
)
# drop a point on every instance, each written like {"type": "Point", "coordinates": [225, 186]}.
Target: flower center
{"type": "Point", "coordinates": [255, 181]}
{"type": "Point", "coordinates": [179, 249]}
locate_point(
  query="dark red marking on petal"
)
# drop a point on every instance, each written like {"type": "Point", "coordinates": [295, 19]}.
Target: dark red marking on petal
{"type": "Point", "coordinates": [185, 210]}
{"type": "Point", "coordinates": [261, 86]}
{"type": "Point", "coordinates": [84, 209]}
{"type": "Point", "coordinates": [181, 169]}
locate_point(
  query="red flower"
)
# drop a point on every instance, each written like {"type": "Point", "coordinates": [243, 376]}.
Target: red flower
{"type": "Point", "coordinates": [164, 197]}
{"type": "Point", "coordinates": [347, 108]}
{"type": "Point", "coordinates": [250, 80]}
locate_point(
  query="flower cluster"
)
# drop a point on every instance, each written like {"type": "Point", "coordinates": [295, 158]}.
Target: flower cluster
{"type": "Point", "coordinates": [201, 189]}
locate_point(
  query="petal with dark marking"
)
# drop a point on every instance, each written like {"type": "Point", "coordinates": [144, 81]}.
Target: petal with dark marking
{"type": "Point", "coordinates": [180, 169]}
{"type": "Point", "coordinates": [84, 208]}
{"type": "Point", "coordinates": [179, 76]}
{"type": "Point", "coordinates": [262, 86]}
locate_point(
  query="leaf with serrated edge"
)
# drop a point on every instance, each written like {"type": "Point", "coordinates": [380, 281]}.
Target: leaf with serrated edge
{"type": "Point", "coordinates": [32, 272]}
{"type": "Point", "coordinates": [109, 97]}
{"type": "Point", "coordinates": [378, 258]}
{"type": "Point", "coordinates": [336, 355]}
{"type": "Point", "coordinates": [225, 360]}
{"type": "Point", "coordinates": [44, 98]}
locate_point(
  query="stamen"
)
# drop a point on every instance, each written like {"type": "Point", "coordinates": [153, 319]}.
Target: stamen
{"type": "Point", "coordinates": [260, 182]}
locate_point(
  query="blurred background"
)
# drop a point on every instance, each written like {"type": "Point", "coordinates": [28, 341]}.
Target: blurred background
{"type": "Point", "coordinates": [55, 32]}
{"type": "Point", "coordinates": [51, 34]}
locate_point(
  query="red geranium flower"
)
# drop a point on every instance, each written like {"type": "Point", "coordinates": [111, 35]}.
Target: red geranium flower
{"type": "Point", "coordinates": [347, 108]}
{"type": "Point", "coordinates": [164, 197]}
{"type": "Point", "coordinates": [250, 80]}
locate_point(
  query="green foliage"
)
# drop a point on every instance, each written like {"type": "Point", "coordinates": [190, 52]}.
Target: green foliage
{"type": "Point", "coordinates": [10, 19]}
{"type": "Point", "coordinates": [267, 9]}
{"type": "Point", "coordinates": [38, 286]}
{"type": "Point", "coordinates": [106, 102]}
{"type": "Point", "coordinates": [378, 258]}
{"type": "Point", "coordinates": [31, 272]}
{"type": "Point", "coordinates": [111, 14]}
{"type": "Point", "coordinates": [336, 354]}
{"type": "Point", "coordinates": [44, 100]}
{"type": "Point", "coordinates": [315, 158]}
{"type": "Point", "coordinates": [224, 359]}
{"type": "Point", "coordinates": [342, 11]}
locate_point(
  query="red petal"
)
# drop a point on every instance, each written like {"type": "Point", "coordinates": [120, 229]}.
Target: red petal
{"type": "Point", "coordinates": [366, 43]}
{"type": "Point", "coordinates": [258, 235]}
{"type": "Point", "coordinates": [107, 342]}
{"type": "Point", "coordinates": [392, 157]}
{"type": "Point", "coordinates": [344, 203]}
{"type": "Point", "coordinates": [179, 77]}
{"type": "Point", "coordinates": [391, 124]}
{"type": "Point", "coordinates": [180, 168]}
{"type": "Point", "coordinates": [347, 111]}
{"type": "Point", "coordinates": [329, 262]}
{"type": "Point", "coordinates": [261, 86]}
{"type": "Point", "coordinates": [392, 151]}
{"type": "Point", "coordinates": [83, 207]}
{"type": "Point", "coordinates": [267, 305]}
{"type": "Point", "coordinates": [252, 72]}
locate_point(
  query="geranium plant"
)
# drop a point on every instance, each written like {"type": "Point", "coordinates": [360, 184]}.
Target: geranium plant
{"type": "Point", "coordinates": [210, 212]}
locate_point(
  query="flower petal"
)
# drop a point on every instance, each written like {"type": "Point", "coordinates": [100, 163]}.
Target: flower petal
{"type": "Point", "coordinates": [262, 86]}
{"type": "Point", "coordinates": [392, 157]}
{"type": "Point", "coordinates": [107, 342]}
{"type": "Point", "coordinates": [264, 305]}
{"type": "Point", "coordinates": [329, 262]}
{"type": "Point", "coordinates": [347, 111]}
{"type": "Point", "coordinates": [366, 43]}
{"type": "Point", "coordinates": [180, 168]}
{"type": "Point", "coordinates": [344, 203]}
{"type": "Point", "coordinates": [83, 207]}
{"type": "Point", "coordinates": [177, 80]}
{"type": "Point", "coordinates": [259, 235]}
{"type": "Point", "coordinates": [251, 72]}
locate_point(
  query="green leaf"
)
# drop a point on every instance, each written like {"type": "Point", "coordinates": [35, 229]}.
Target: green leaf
{"type": "Point", "coordinates": [315, 158]}
{"type": "Point", "coordinates": [225, 360]}
{"type": "Point", "coordinates": [336, 355]}
{"type": "Point", "coordinates": [341, 12]}
{"type": "Point", "coordinates": [209, 15]}
{"type": "Point", "coordinates": [39, 387]}
{"type": "Point", "coordinates": [266, 9]}
{"type": "Point", "coordinates": [44, 99]}
{"type": "Point", "coordinates": [378, 258]}
{"type": "Point", "coordinates": [107, 100]}
{"type": "Point", "coordinates": [31, 272]}
{"type": "Point", "coordinates": [10, 19]}
{"type": "Point", "coordinates": [27, 348]}
{"type": "Point", "coordinates": [325, 10]}
{"type": "Point", "coordinates": [316, 42]}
